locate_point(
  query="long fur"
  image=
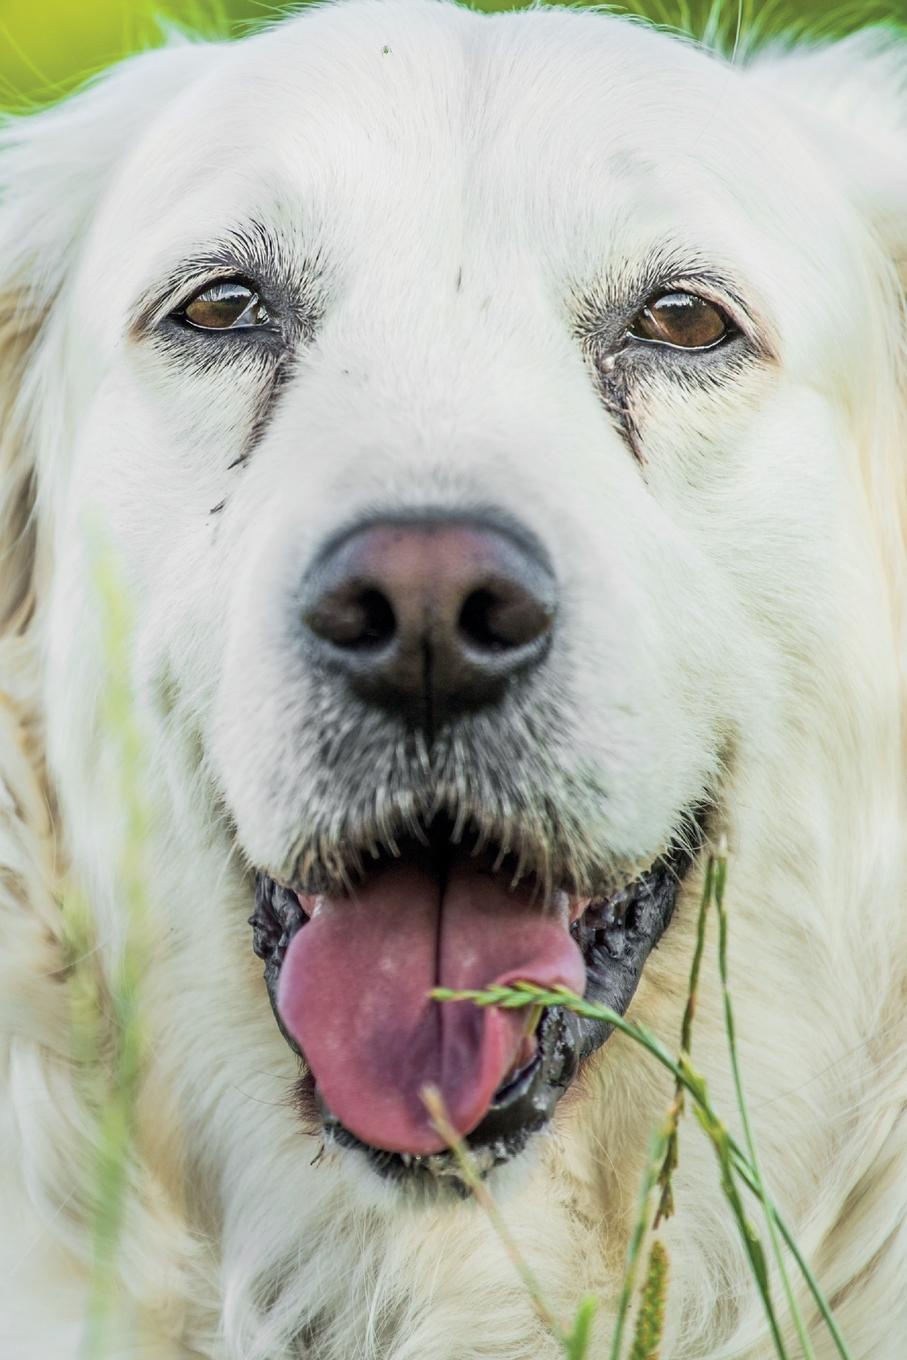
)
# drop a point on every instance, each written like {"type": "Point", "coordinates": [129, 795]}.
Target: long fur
{"type": "Point", "coordinates": [751, 640]}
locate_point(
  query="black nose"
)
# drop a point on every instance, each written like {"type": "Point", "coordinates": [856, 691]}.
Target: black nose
{"type": "Point", "coordinates": [431, 616]}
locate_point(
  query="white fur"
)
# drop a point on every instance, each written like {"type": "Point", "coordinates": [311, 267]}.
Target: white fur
{"type": "Point", "coordinates": [734, 618]}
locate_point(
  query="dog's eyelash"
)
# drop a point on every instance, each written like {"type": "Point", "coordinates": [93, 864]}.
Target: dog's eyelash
{"type": "Point", "coordinates": [606, 311]}
{"type": "Point", "coordinates": [288, 280]}
{"type": "Point", "coordinates": [617, 351]}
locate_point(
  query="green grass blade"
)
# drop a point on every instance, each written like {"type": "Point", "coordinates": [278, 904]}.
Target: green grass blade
{"type": "Point", "coordinates": [527, 994]}
{"type": "Point", "coordinates": [576, 1345]}
{"type": "Point", "coordinates": [432, 1100]}
{"type": "Point", "coordinates": [637, 1236]}
{"type": "Point", "coordinates": [719, 881]}
{"type": "Point", "coordinates": [666, 1203]}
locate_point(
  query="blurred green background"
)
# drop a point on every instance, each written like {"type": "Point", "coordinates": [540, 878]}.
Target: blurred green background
{"type": "Point", "coordinates": [48, 46]}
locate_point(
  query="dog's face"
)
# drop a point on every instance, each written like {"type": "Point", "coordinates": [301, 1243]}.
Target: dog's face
{"type": "Point", "coordinates": [463, 399]}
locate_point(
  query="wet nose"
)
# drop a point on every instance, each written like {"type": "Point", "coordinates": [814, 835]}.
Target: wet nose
{"type": "Point", "coordinates": [431, 616]}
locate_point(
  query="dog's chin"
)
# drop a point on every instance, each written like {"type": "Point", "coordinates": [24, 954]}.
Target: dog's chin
{"type": "Point", "coordinates": [609, 938]}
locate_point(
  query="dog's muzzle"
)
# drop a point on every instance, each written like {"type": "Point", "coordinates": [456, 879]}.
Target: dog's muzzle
{"type": "Point", "coordinates": [431, 618]}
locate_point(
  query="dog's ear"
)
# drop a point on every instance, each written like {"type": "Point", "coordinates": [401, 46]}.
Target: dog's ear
{"type": "Point", "coordinates": [54, 167]}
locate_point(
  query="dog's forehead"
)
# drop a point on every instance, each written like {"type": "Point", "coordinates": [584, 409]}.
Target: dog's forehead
{"type": "Point", "coordinates": [436, 139]}
{"type": "Point", "coordinates": [401, 110]}
{"type": "Point", "coordinates": [407, 73]}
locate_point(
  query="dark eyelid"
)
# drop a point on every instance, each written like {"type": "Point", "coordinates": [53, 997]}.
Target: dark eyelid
{"type": "Point", "coordinates": [605, 308]}
{"type": "Point", "coordinates": [723, 292]}
{"type": "Point", "coordinates": [730, 334]}
{"type": "Point", "coordinates": [178, 290]}
{"type": "Point", "coordinates": [251, 254]}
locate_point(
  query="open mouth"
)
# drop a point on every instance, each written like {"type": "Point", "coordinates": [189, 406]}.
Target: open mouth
{"type": "Point", "coordinates": [349, 974]}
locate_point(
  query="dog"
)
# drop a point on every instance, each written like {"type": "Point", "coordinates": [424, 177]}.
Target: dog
{"type": "Point", "coordinates": [476, 446]}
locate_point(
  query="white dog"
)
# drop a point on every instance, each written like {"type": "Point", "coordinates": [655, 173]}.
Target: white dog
{"type": "Point", "coordinates": [498, 425]}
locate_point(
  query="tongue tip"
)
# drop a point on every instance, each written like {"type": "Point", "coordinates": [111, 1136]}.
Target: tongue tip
{"type": "Point", "coordinates": [407, 1130]}
{"type": "Point", "coordinates": [407, 1133]}
{"type": "Point", "coordinates": [404, 1124]}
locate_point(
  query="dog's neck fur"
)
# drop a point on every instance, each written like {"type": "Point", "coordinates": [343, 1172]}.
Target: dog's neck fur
{"type": "Point", "coordinates": [212, 1267]}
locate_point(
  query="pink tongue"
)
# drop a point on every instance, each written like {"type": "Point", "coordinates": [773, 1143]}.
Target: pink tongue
{"type": "Point", "coordinates": [354, 987]}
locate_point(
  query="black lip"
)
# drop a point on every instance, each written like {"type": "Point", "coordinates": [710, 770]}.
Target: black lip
{"type": "Point", "coordinates": [616, 937]}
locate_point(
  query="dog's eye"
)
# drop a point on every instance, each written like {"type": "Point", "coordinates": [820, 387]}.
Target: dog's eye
{"type": "Point", "coordinates": [226, 306]}
{"type": "Point", "coordinates": [681, 320]}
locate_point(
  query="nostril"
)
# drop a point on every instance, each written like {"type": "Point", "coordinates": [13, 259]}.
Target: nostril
{"type": "Point", "coordinates": [379, 623]}
{"type": "Point", "coordinates": [503, 619]}
{"type": "Point", "coordinates": [358, 619]}
{"type": "Point", "coordinates": [476, 621]}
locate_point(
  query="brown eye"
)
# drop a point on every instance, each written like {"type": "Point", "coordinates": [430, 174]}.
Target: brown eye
{"type": "Point", "coordinates": [682, 320]}
{"type": "Point", "coordinates": [227, 306]}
